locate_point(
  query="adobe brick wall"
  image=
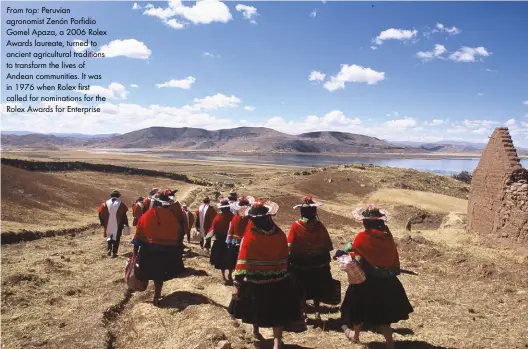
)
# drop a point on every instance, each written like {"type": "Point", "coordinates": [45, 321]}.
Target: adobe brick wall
{"type": "Point", "coordinates": [498, 197]}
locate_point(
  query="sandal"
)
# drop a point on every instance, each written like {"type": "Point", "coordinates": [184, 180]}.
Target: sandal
{"type": "Point", "coordinates": [351, 338]}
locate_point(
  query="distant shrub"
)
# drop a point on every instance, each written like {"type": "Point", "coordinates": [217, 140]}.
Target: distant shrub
{"type": "Point", "coordinates": [463, 176]}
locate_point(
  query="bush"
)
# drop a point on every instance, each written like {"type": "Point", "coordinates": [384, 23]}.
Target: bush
{"type": "Point", "coordinates": [463, 176]}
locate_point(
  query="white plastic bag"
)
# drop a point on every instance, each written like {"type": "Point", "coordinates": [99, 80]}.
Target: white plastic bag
{"type": "Point", "coordinates": [354, 272]}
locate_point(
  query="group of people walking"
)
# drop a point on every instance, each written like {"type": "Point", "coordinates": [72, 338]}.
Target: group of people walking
{"type": "Point", "coordinates": [273, 274]}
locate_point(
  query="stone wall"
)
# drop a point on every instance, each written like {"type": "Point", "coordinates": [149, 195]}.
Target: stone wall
{"type": "Point", "coordinates": [498, 197]}
{"type": "Point", "coordinates": [59, 166]}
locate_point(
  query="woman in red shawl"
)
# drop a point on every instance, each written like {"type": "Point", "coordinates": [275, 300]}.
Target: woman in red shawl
{"type": "Point", "coordinates": [264, 294]}
{"type": "Point", "coordinates": [309, 260]}
{"type": "Point", "coordinates": [218, 230]}
{"type": "Point", "coordinates": [157, 242]}
{"type": "Point", "coordinates": [237, 227]}
{"type": "Point", "coordinates": [380, 300]}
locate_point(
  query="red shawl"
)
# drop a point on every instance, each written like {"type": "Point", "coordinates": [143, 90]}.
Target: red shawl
{"type": "Point", "coordinates": [220, 224]}
{"type": "Point", "coordinates": [237, 228]}
{"type": "Point", "coordinates": [263, 253]}
{"type": "Point", "coordinates": [309, 237]}
{"type": "Point", "coordinates": [378, 249]}
{"type": "Point", "coordinates": [159, 226]}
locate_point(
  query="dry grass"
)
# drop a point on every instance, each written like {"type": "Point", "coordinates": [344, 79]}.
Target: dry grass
{"type": "Point", "coordinates": [63, 292]}
{"type": "Point", "coordinates": [431, 202]}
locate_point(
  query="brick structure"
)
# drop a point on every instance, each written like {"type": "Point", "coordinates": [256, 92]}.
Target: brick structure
{"type": "Point", "coordinates": [498, 197]}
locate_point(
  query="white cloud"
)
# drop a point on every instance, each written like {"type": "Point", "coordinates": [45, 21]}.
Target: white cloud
{"type": "Point", "coordinates": [335, 120]}
{"type": "Point", "coordinates": [203, 12]}
{"type": "Point", "coordinates": [490, 70]}
{"type": "Point", "coordinates": [183, 83]}
{"type": "Point", "coordinates": [401, 124]}
{"type": "Point", "coordinates": [510, 122]}
{"type": "Point", "coordinates": [440, 28]}
{"type": "Point", "coordinates": [316, 76]}
{"type": "Point", "coordinates": [438, 51]}
{"type": "Point", "coordinates": [80, 49]}
{"type": "Point", "coordinates": [393, 113]}
{"type": "Point", "coordinates": [525, 102]}
{"type": "Point", "coordinates": [353, 73]}
{"type": "Point", "coordinates": [437, 122]}
{"type": "Point", "coordinates": [248, 12]}
{"type": "Point", "coordinates": [469, 54]}
{"type": "Point", "coordinates": [373, 47]}
{"type": "Point", "coordinates": [217, 101]}
{"type": "Point", "coordinates": [480, 94]}
{"type": "Point", "coordinates": [395, 34]}
{"type": "Point", "coordinates": [478, 123]}
{"type": "Point", "coordinates": [128, 48]}
{"type": "Point", "coordinates": [134, 86]}
{"type": "Point", "coordinates": [313, 14]}
{"type": "Point", "coordinates": [113, 91]}
{"type": "Point", "coordinates": [249, 108]}
{"type": "Point", "coordinates": [174, 23]}
{"type": "Point", "coordinates": [136, 6]}
{"type": "Point", "coordinates": [209, 54]}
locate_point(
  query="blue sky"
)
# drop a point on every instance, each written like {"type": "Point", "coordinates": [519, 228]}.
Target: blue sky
{"type": "Point", "coordinates": [399, 71]}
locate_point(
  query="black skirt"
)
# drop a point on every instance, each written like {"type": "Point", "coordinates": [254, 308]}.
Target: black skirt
{"type": "Point", "coordinates": [219, 253]}
{"type": "Point", "coordinates": [159, 264]}
{"type": "Point", "coordinates": [232, 256]}
{"type": "Point", "coordinates": [377, 301]}
{"type": "Point", "coordinates": [312, 275]}
{"type": "Point", "coordinates": [274, 304]}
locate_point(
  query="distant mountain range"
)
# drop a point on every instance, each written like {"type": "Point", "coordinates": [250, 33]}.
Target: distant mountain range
{"type": "Point", "coordinates": [250, 139]}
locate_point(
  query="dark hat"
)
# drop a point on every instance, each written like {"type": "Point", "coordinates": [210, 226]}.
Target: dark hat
{"type": "Point", "coordinates": [153, 191]}
{"type": "Point", "coordinates": [224, 202]}
{"type": "Point", "coordinates": [308, 202]}
{"type": "Point", "coordinates": [164, 197]}
{"type": "Point", "coordinates": [206, 199]}
{"type": "Point", "coordinates": [244, 201]}
{"type": "Point", "coordinates": [371, 213]}
{"type": "Point", "coordinates": [115, 194]}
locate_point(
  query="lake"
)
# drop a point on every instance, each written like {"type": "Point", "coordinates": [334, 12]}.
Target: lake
{"type": "Point", "coordinates": [443, 166]}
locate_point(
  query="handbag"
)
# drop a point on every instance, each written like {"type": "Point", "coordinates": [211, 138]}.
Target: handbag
{"type": "Point", "coordinates": [126, 230]}
{"type": "Point", "coordinates": [355, 273]}
{"type": "Point", "coordinates": [133, 283]}
{"type": "Point", "coordinates": [335, 297]}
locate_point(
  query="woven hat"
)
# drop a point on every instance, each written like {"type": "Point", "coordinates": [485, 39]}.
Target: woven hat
{"type": "Point", "coordinates": [165, 197]}
{"type": "Point", "coordinates": [308, 202]}
{"type": "Point", "coordinates": [115, 194]}
{"type": "Point", "coordinates": [244, 202]}
{"type": "Point", "coordinates": [153, 192]}
{"type": "Point", "coordinates": [371, 213]}
{"type": "Point", "coordinates": [259, 209]}
{"type": "Point", "coordinates": [224, 202]}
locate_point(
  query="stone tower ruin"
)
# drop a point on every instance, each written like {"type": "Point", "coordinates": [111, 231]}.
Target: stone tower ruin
{"type": "Point", "coordinates": [498, 197]}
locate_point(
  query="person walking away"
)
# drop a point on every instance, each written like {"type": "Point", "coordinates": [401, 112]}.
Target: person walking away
{"type": "Point", "coordinates": [263, 293]}
{"type": "Point", "coordinates": [233, 199]}
{"type": "Point", "coordinates": [205, 215]}
{"type": "Point", "coordinates": [237, 227]}
{"type": "Point", "coordinates": [149, 202]}
{"type": "Point", "coordinates": [189, 218]}
{"type": "Point", "coordinates": [309, 261]}
{"type": "Point", "coordinates": [219, 230]}
{"type": "Point", "coordinates": [137, 210]}
{"type": "Point", "coordinates": [112, 216]}
{"type": "Point", "coordinates": [381, 299]}
{"type": "Point", "coordinates": [157, 242]}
